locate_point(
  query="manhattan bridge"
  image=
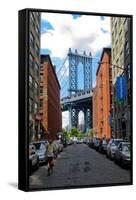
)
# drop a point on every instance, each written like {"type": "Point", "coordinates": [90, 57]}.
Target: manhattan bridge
{"type": "Point", "coordinates": [78, 99]}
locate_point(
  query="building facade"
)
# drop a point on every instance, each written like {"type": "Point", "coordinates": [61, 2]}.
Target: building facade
{"type": "Point", "coordinates": [102, 96]}
{"type": "Point", "coordinates": [94, 99]}
{"type": "Point", "coordinates": [120, 30]}
{"type": "Point", "coordinates": [34, 74]}
{"type": "Point", "coordinates": [128, 67]}
{"type": "Point", "coordinates": [50, 109]}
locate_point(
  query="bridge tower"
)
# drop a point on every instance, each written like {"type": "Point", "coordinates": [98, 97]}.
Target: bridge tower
{"type": "Point", "coordinates": [74, 59]}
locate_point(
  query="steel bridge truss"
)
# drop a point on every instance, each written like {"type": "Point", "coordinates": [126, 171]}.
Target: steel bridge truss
{"type": "Point", "coordinates": [75, 106]}
{"type": "Point", "coordinates": [74, 60]}
{"type": "Point", "coordinates": [74, 112]}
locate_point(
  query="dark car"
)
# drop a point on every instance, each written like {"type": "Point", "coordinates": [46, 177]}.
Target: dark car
{"type": "Point", "coordinates": [123, 154]}
{"type": "Point", "coordinates": [90, 142]}
{"type": "Point", "coordinates": [103, 146]}
{"type": "Point", "coordinates": [96, 143]}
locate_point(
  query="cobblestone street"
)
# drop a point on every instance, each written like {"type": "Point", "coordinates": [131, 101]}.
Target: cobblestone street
{"type": "Point", "coordinates": [80, 165]}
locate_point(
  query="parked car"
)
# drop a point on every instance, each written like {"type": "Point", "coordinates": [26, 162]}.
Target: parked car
{"type": "Point", "coordinates": [69, 142]}
{"type": "Point", "coordinates": [79, 141]}
{"type": "Point", "coordinates": [85, 140]}
{"type": "Point", "coordinates": [96, 143]}
{"type": "Point", "coordinates": [103, 146]}
{"type": "Point", "coordinates": [123, 154]}
{"type": "Point", "coordinates": [41, 149]}
{"type": "Point", "coordinates": [112, 146]}
{"type": "Point", "coordinates": [33, 159]}
{"type": "Point", "coordinates": [90, 142]}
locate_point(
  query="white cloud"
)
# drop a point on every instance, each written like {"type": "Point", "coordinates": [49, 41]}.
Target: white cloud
{"type": "Point", "coordinates": [84, 33]}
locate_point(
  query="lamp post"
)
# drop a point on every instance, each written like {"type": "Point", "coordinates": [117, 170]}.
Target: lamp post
{"type": "Point", "coordinates": [100, 62]}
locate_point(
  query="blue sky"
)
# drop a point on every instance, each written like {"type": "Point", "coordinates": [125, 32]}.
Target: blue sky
{"type": "Point", "coordinates": [59, 32]}
{"type": "Point", "coordinates": [50, 29]}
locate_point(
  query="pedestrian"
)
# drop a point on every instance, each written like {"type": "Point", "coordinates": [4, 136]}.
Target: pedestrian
{"type": "Point", "coordinates": [50, 155]}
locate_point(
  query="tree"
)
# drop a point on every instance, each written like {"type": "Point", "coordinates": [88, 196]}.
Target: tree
{"type": "Point", "coordinates": [90, 133]}
{"type": "Point", "coordinates": [80, 134]}
{"type": "Point", "coordinates": [74, 132]}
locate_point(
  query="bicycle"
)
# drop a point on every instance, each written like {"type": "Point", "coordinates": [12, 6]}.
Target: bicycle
{"type": "Point", "coordinates": [50, 165]}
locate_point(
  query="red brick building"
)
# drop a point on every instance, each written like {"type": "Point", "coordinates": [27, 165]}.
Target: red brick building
{"type": "Point", "coordinates": [50, 109]}
{"type": "Point", "coordinates": [102, 96]}
{"type": "Point", "coordinates": [94, 111]}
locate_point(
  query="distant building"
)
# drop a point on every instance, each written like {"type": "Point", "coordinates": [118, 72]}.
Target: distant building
{"type": "Point", "coordinates": [50, 109]}
{"type": "Point", "coordinates": [34, 74]}
{"type": "Point", "coordinates": [120, 30]}
{"type": "Point", "coordinates": [102, 96]}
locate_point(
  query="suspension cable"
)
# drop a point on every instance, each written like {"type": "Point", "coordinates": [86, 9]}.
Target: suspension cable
{"type": "Point", "coordinates": [64, 84]}
{"type": "Point", "coordinates": [62, 66]}
{"type": "Point", "coordinates": [63, 74]}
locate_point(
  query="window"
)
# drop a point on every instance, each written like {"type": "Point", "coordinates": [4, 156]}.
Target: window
{"type": "Point", "coordinates": [113, 54]}
{"type": "Point", "coordinates": [126, 26]}
{"type": "Point", "coordinates": [30, 79]}
{"type": "Point", "coordinates": [37, 68]}
{"type": "Point", "coordinates": [121, 59]}
{"type": "Point", "coordinates": [31, 40]}
{"type": "Point", "coordinates": [41, 89]}
{"type": "Point", "coordinates": [116, 47]}
{"type": "Point", "coordinates": [120, 33]}
{"type": "Point", "coordinates": [35, 108]}
{"type": "Point", "coordinates": [41, 103]}
{"type": "Point", "coordinates": [112, 37]}
{"type": "Point", "coordinates": [41, 77]}
{"type": "Point", "coordinates": [30, 105]}
{"type": "Point", "coordinates": [37, 31]}
{"type": "Point", "coordinates": [128, 72]}
{"type": "Point", "coordinates": [126, 48]}
{"type": "Point", "coordinates": [119, 21]}
{"type": "Point", "coordinates": [37, 49]}
{"type": "Point", "coordinates": [31, 60]}
{"type": "Point", "coordinates": [32, 20]}
{"type": "Point", "coordinates": [36, 87]}
{"type": "Point", "coordinates": [129, 96]}
{"type": "Point", "coordinates": [116, 30]}
{"type": "Point", "coordinates": [117, 63]}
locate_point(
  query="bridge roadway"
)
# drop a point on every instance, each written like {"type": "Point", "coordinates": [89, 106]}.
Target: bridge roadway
{"type": "Point", "coordinates": [80, 99]}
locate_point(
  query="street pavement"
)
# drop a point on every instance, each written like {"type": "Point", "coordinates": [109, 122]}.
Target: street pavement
{"type": "Point", "coordinates": [79, 165]}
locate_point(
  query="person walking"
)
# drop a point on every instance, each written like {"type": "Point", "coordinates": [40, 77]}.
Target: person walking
{"type": "Point", "coordinates": [50, 155]}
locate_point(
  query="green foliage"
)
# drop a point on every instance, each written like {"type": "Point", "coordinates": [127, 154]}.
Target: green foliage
{"type": "Point", "coordinates": [90, 133]}
{"type": "Point", "coordinates": [80, 134]}
{"type": "Point", "coordinates": [74, 132]}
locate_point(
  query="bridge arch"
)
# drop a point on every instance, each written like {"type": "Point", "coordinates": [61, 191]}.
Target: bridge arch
{"type": "Point", "coordinates": [80, 89]}
{"type": "Point", "coordinates": [75, 59]}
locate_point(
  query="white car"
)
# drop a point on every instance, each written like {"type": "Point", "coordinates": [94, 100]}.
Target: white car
{"type": "Point", "coordinates": [112, 147]}
{"type": "Point", "coordinates": [41, 149]}
{"type": "Point", "coordinates": [33, 159]}
{"type": "Point", "coordinates": [79, 141]}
